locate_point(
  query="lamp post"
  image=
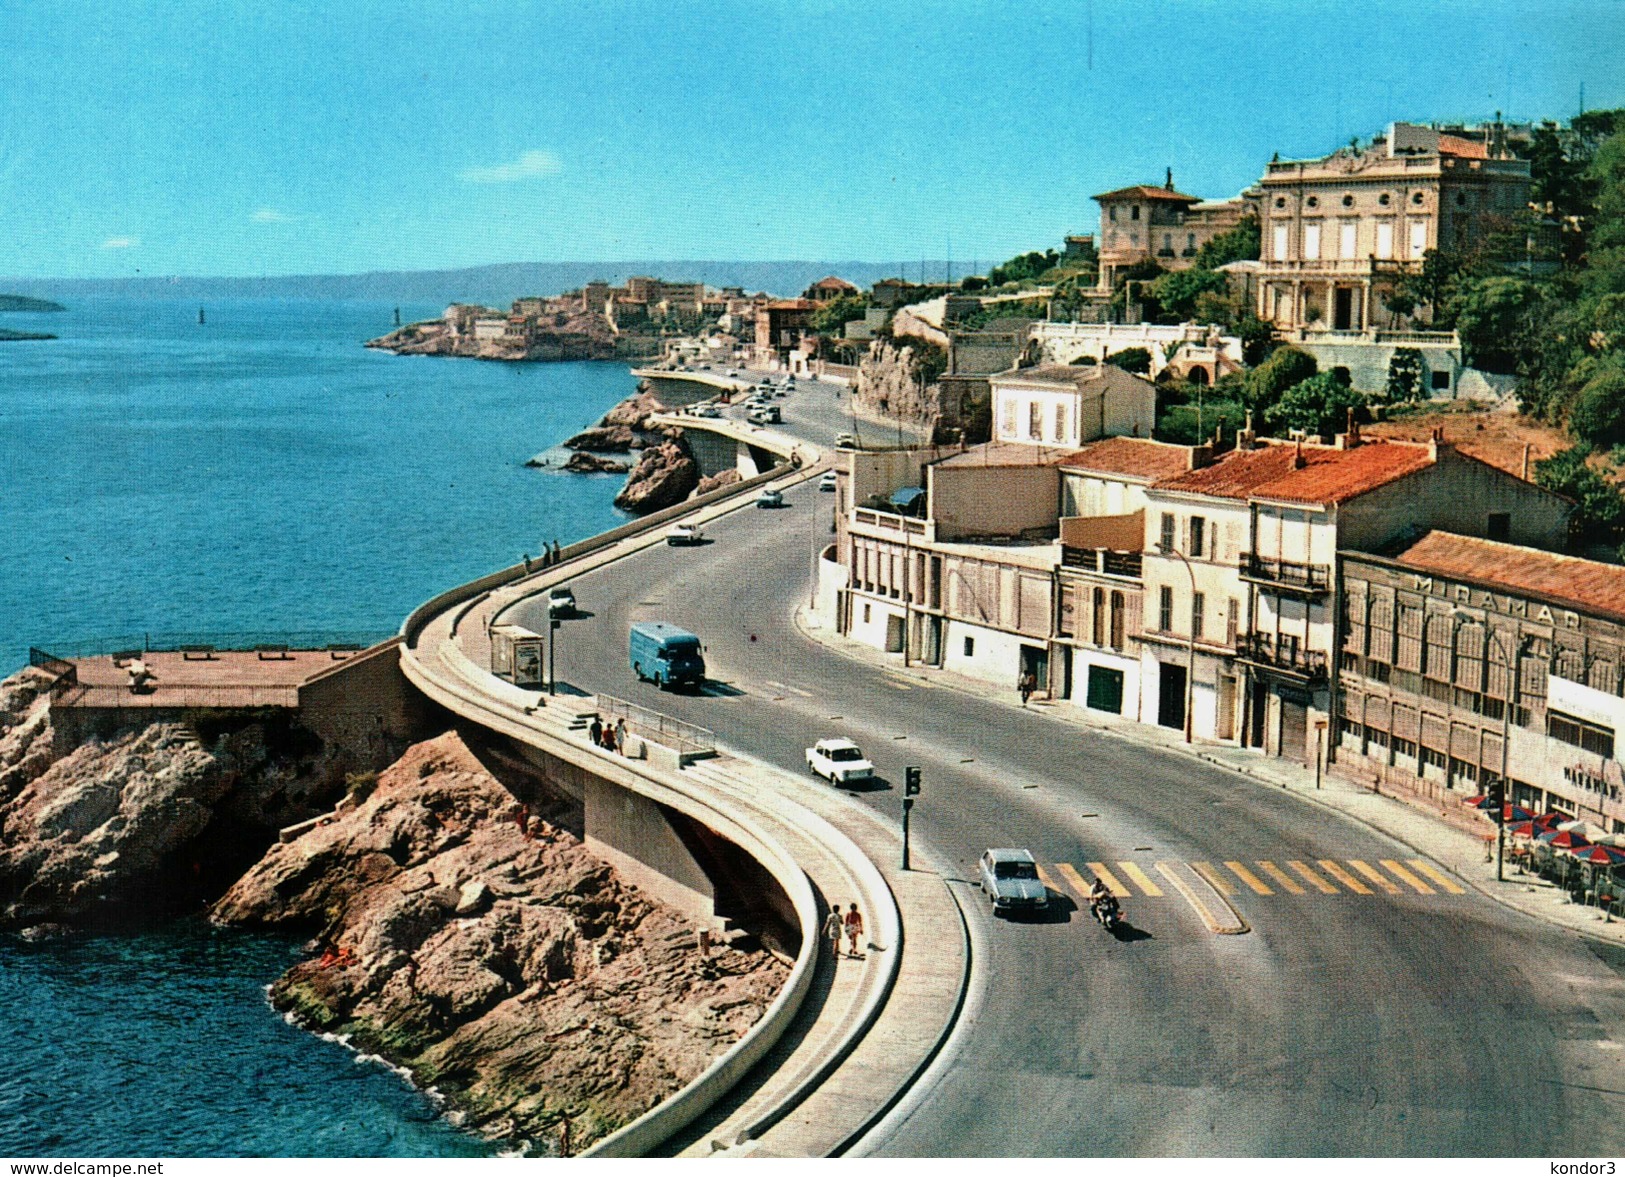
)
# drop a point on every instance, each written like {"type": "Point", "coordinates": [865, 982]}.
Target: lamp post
{"type": "Point", "coordinates": [1461, 615]}
{"type": "Point", "coordinates": [1190, 642]}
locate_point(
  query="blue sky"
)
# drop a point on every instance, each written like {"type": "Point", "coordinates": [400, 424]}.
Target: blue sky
{"type": "Point", "coordinates": [238, 139]}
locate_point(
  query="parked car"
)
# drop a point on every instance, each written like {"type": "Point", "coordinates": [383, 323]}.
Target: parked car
{"type": "Point", "coordinates": [770, 498]}
{"type": "Point", "coordinates": [1010, 879]}
{"type": "Point", "coordinates": [764, 415]}
{"type": "Point", "coordinates": [845, 441]}
{"type": "Point", "coordinates": [733, 372]}
{"type": "Point", "coordinates": [827, 480]}
{"type": "Point", "coordinates": [839, 761]}
{"type": "Point", "coordinates": [561, 602]}
{"type": "Point", "coordinates": [684, 534]}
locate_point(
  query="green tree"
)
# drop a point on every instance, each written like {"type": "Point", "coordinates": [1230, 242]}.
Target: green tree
{"type": "Point", "coordinates": [1318, 405]}
{"type": "Point", "coordinates": [1131, 359]}
{"type": "Point", "coordinates": [1598, 509]}
{"type": "Point", "coordinates": [1598, 416]}
{"type": "Point", "coordinates": [1023, 267]}
{"type": "Point", "coordinates": [1494, 317]}
{"type": "Point", "coordinates": [1233, 245]}
{"type": "Point", "coordinates": [1176, 292]}
{"type": "Point", "coordinates": [1605, 256]}
{"type": "Point", "coordinates": [1405, 376]}
{"type": "Point", "coordinates": [1264, 385]}
{"type": "Point", "coordinates": [835, 314]}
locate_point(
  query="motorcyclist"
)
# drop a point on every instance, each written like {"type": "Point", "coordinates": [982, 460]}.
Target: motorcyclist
{"type": "Point", "coordinates": [1098, 894]}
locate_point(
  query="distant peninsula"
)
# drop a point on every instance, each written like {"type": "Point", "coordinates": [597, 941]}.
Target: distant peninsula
{"type": "Point", "coordinates": [21, 302]}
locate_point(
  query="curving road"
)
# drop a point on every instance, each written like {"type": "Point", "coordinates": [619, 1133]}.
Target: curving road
{"type": "Point", "coordinates": [1343, 1024]}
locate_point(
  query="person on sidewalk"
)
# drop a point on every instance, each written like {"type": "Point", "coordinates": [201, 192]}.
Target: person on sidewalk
{"type": "Point", "coordinates": [595, 732]}
{"type": "Point", "coordinates": [832, 930]}
{"type": "Point", "coordinates": [1025, 685]}
{"type": "Point", "coordinates": [854, 930]}
{"type": "Point", "coordinates": [620, 734]}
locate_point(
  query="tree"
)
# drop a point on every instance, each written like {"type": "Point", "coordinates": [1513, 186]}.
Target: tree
{"type": "Point", "coordinates": [1598, 509]}
{"type": "Point", "coordinates": [1264, 385]}
{"type": "Point", "coordinates": [973, 282]}
{"type": "Point", "coordinates": [1177, 291]}
{"type": "Point", "coordinates": [1493, 317]}
{"type": "Point", "coordinates": [1131, 359]}
{"type": "Point", "coordinates": [1598, 416]}
{"type": "Point", "coordinates": [1233, 245]}
{"type": "Point", "coordinates": [1318, 405]}
{"type": "Point", "coordinates": [1405, 376]}
{"type": "Point", "coordinates": [835, 314]}
{"type": "Point", "coordinates": [1023, 267]}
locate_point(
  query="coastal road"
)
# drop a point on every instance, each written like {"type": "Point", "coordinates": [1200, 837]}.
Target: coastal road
{"type": "Point", "coordinates": [1357, 1017]}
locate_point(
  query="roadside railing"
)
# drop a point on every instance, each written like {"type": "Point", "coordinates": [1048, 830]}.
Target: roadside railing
{"type": "Point", "coordinates": [686, 739]}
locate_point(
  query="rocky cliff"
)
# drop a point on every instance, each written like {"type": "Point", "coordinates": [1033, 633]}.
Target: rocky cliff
{"type": "Point", "coordinates": [487, 951]}
{"type": "Point", "coordinates": [665, 475]}
{"type": "Point", "coordinates": [892, 381]}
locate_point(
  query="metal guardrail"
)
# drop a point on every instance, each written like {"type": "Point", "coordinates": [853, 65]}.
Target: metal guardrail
{"type": "Point", "coordinates": [248, 640]}
{"type": "Point", "coordinates": [684, 738]}
{"type": "Point", "coordinates": [65, 675]}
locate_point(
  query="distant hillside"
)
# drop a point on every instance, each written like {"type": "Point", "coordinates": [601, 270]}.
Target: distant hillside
{"type": "Point", "coordinates": [18, 302]}
{"type": "Point", "coordinates": [496, 285]}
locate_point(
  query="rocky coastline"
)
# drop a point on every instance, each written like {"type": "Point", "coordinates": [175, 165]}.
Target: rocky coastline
{"type": "Point", "coordinates": [666, 471]}
{"type": "Point", "coordinates": [560, 330]}
{"type": "Point", "coordinates": [461, 929]}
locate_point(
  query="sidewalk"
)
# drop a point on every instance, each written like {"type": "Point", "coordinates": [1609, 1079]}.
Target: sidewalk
{"type": "Point", "coordinates": [1418, 823]}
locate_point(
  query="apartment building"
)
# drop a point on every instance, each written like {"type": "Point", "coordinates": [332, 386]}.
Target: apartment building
{"type": "Point", "coordinates": [1458, 655]}
{"type": "Point", "coordinates": [1065, 406]}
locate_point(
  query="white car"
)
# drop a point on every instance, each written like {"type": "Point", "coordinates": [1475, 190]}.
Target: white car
{"type": "Point", "coordinates": [705, 411]}
{"type": "Point", "coordinates": [827, 481]}
{"type": "Point", "coordinates": [839, 761]}
{"type": "Point", "coordinates": [845, 441]}
{"type": "Point", "coordinates": [770, 498]}
{"type": "Point", "coordinates": [684, 535]}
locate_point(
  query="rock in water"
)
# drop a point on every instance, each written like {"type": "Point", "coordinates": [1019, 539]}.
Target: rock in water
{"type": "Point", "coordinates": [593, 464]}
{"type": "Point", "coordinates": [612, 439]}
{"type": "Point", "coordinates": [665, 475]}
{"type": "Point", "coordinates": [516, 973]}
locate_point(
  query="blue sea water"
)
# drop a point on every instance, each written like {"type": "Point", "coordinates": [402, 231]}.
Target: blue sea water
{"type": "Point", "coordinates": [264, 475]}
{"type": "Point", "coordinates": [261, 476]}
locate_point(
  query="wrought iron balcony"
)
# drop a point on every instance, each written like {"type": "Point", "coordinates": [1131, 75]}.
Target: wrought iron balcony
{"type": "Point", "coordinates": [1286, 574]}
{"type": "Point", "coordinates": [1283, 654]}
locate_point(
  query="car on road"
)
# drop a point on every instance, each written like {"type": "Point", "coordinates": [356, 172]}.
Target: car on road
{"type": "Point", "coordinates": [561, 602]}
{"type": "Point", "coordinates": [705, 411]}
{"type": "Point", "coordinates": [827, 480]}
{"type": "Point", "coordinates": [845, 441]}
{"type": "Point", "coordinates": [764, 415]}
{"type": "Point", "coordinates": [770, 498]}
{"type": "Point", "coordinates": [733, 372]}
{"type": "Point", "coordinates": [1010, 879]}
{"type": "Point", "coordinates": [684, 535]}
{"type": "Point", "coordinates": [839, 761]}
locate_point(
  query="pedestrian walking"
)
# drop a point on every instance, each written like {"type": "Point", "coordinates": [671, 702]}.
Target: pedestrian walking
{"type": "Point", "coordinates": [595, 732]}
{"type": "Point", "coordinates": [854, 929]}
{"type": "Point", "coordinates": [832, 930]}
{"type": "Point", "coordinates": [526, 559]}
{"type": "Point", "coordinates": [1024, 686]}
{"type": "Point", "coordinates": [620, 734]}
{"type": "Point", "coordinates": [557, 557]}
{"type": "Point", "coordinates": [609, 739]}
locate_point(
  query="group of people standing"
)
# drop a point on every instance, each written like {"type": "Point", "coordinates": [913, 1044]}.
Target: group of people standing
{"type": "Point", "coordinates": [611, 737]}
{"type": "Point", "coordinates": [550, 556]}
{"type": "Point", "coordinates": [851, 924]}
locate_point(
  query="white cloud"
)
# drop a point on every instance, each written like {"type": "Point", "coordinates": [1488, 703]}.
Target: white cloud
{"type": "Point", "coordinates": [270, 216]}
{"type": "Point", "coordinates": [528, 166]}
{"type": "Point", "coordinates": [121, 243]}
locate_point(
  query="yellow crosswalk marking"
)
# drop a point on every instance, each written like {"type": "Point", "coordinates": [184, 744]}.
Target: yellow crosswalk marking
{"type": "Point", "coordinates": [1106, 876]}
{"type": "Point", "coordinates": [1247, 876]}
{"type": "Point", "coordinates": [1214, 878]}
{"type": "Point", "coordinates": [1438, 876]}
{"type": "Point", "coordinates": [1141, 879]}
{"type": "Point", "coordinates": [1043, 877]}
{"type": "Point", "coordinates": [1280, 876]}
{"type": "Point", "coordinates": [1376, 876]}
{"type": "Point", "coordinates": [1405, 876]}
{"type": "Point", "coordinates": [1313, 879]}
{"type": "Point", "coordinates": [1071, 875]}
{"type": "Point", "coordinates": [1343, 876]}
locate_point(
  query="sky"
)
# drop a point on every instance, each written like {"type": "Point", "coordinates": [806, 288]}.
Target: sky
{"type": "Point", "coordinates": [239, 139]}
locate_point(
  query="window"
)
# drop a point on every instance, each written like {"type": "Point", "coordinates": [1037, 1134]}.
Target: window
{"type": "Point", "coordinates": [1198, 608]}
{"type": "Point", "coordinates": [1441, 379]}
{"type": "Point", "coordinates": [1167, 543]}
{"type": "Point", "coordinates": [1384, 199]}
{"type": "Point", "coordinates": [1348, 243]}
{"type": "Point", "coordinates": [1100, 617]}
{"type": "Point", "coordinates": [1133, 212]}
{"type": "Point", "coordinates": [1311, 240]}
{"type": "Point", "coordinates": [1278, 253]}
{"type": "Point", "coordinates": [1190, 242]}
{"type": "Point", "coordinates": [1313, 202]}
{"type": "Point", "coordinates": [970, 647]}
{"type": "Point", "coordinates": [1500, 526]}
{"type": "Point", "coordinates": [1280, 202]}
{"type": "Point", "coordinates": [1007, 419]}
{"type": "Point", "coordinates": [1165, 609]}
{"type": "Point", "coordinates": [1385, 239]}
{"type": "Point", "coordinates": [1119, 620]}
{"type": "Point", "coordinates": [1198, 535]}
{"type": "Point", "coordinates": [867, 613]}
{"type": "Point", "coordinates": [1348, 200]}
{"type": "Point", "coordinates": [1035, 421]}
{"type": "Point", "coordinates": [1416, 198]}
{"type": "Point", "coordinates": [1419, 238]}
{"type": "Point", "coordinates": [1060, 422]}
{"type": "Point", "coordinates": [1111, 212]}
{"type": "Point", "coordinates": [1591, 737]}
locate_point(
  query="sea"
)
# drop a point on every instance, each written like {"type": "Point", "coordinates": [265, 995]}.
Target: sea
{"type": "Point", "coordinates": [258, 476]}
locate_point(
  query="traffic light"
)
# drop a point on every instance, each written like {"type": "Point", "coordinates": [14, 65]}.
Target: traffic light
{"type": "Point", "coordinates": [1497, 795]}
{"type": "Point", "coordinates": [911, 781]}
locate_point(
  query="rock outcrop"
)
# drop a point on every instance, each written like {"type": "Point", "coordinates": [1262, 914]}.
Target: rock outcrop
{"type": "Point", "coordinates": [593, 464]}
{"type": "Point", "coordinates": [665, 475]}
{"type": "Point", "coordinates": [889, 383]}
{"type": "Point", "coordinates": [716, 481]}
{"type": "Point", "coordinates": [508, 968]}
{"type": "Point", "coordinates": [606, 439]}
{"type": "Point", "coordinates": [25, 731]}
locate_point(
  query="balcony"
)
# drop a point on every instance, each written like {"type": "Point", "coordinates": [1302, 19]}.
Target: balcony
{"type": "Point", "coordinates": [1284, 654]}
{"type": "Point", "coordinates": [1103, 560]}
{"type": "Point", "coordinates": [1287, 575]}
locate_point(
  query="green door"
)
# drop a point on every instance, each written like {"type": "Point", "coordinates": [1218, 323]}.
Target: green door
{"type": "Point", "coordinates": [1105, 689]}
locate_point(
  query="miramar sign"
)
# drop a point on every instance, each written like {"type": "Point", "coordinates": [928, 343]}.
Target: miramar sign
{"type": "Point", "coordinates": [1507, 606]}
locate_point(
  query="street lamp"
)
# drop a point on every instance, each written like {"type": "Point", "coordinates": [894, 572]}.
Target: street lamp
{"type": "Point", "coordinates": [1190, 642]}
{"type": "Point", "coordinates": [1459, 615]}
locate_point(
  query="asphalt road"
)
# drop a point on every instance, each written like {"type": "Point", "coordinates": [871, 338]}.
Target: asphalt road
{"type": "Point", "coordinates": [1343, 1024]}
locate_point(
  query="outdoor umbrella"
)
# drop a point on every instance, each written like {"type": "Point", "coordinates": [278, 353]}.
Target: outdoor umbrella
{"type": "Point", "coordinates": [1526, 829]}
{"type": "Point", "coordinates": [1513, 813]}
{"type": "Point", "coordinates": [1600, 855]}
{"type": "Point", "coordinates": [1568, 840]}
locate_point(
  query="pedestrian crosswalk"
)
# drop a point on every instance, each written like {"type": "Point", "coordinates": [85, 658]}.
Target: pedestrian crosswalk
{"type": "Point", "coordinates": [1321, 877]}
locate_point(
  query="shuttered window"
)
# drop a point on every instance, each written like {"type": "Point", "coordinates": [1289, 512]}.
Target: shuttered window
{"type": "Point", "coordinates": [1409, 653]}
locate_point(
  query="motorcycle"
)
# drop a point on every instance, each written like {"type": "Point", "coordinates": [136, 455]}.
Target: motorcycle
{"type": "Point", "coordinates": [1108, 912]}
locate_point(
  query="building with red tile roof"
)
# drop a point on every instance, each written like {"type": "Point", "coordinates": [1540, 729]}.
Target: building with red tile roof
{"type": "Point", "coordinates": [1568, 580]}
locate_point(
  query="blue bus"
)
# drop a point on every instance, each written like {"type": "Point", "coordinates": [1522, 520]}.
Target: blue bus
{"type": "Point", "coordinates": [665, 655]}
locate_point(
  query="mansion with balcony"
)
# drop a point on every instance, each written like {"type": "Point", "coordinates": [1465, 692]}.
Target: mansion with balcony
{"type": "Point", "coordinates": [1161, 583]}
